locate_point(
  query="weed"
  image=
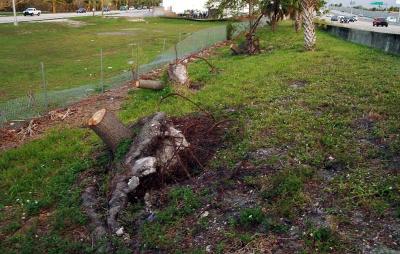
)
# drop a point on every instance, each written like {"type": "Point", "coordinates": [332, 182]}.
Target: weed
{"type": "Point", "coordinates": [251, 217]}
{"type": "Point", "coordinates": [322, 240]}
{"type": "Point", "coordinates": [122, 149]}
{"type": "Point", "coordinates": [182, 202]}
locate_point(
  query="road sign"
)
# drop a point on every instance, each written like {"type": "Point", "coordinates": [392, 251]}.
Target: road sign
{"type": "Point", "coordinates": [377, 3]}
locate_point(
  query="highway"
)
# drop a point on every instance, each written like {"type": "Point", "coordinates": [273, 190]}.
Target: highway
{"type": "Point", "coordinates": [363, 24]}
{"type": "Point", "coordinates": [51, 16]}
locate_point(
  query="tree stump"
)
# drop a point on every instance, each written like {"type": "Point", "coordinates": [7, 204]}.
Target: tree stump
{"type": "Point", "coordinates": [235, 49]}
{"type": "Point", "coordinates": [149, 84]}
{"type": "Point", "coordinates": [106, 125]}
{"type": "Point", "coordinates": [178, 73]}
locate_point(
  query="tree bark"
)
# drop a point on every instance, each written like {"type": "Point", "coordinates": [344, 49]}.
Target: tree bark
{"type": "Point", "coordinates": [251, 13]}
{"type": "Point", "coordinates": [177, 72]}
{"type": "Point", "coordinates": [53, 3]}
{"type": "Point", "coordinates": [310, 38]}
{"type": "Point", "coordinates": [149, 84]}
{"type": "Point", "coordinates": [297, 20]}
{"type": "Point", "coordinates": [106, 125]}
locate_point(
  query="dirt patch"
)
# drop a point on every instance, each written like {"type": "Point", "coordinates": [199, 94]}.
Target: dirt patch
{"type": "Point", "coordinates": [121, 33]}
{"type": "Point", "coordinates": [196, 86]}
{"type": "Point", "coordinates": [136, 20]}
{"type": "Point", "coordinates": [296, 84]}
{"type": "Point", "coordinates": [67, 22]}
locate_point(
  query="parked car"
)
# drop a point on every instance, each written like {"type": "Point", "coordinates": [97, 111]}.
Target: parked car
{"type": "Point", "coordinates": [355, 18]}
{"type": "Point", "coordinates": [81, 10]}
{"type": "Point", "coordinates": [351, 19]}
{"type": "Point", "coordinates": [32, 11]}
{"type": "Point", "coordinates": [329, 15]}
{"type": "Point", "coordinates": [123, 8]}
{"type": "Point", "coordinates": [131, 8]}
{"type": "Point", "coordinates": [380, 22]}
{"type": "Point", "coordinates": [344, 20]}
{"type": "Point", "coordinates": [391, 19]}
{"type": "Point", "coordinates": [334, 18]}
{"type": "Point", "coordinates": [106, 9]}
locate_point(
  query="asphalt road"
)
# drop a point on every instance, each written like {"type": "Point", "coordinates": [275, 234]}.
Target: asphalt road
{"type": "Point", "coordinates": [364, 24]}
{"type": "Point", "coordinates": [51, 16]}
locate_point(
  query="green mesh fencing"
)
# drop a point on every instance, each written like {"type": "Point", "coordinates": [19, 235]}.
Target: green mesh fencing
{"type": "Point", "coordinates": [39, 103]}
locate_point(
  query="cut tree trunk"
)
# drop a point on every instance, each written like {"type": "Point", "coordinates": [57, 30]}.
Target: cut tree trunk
{"type": "Point", "coordinates": [178, 73]}
{"type": "Point", "coordinates": [154, 150]}
{"type": "Point", "coordinates": [106, 125]}
{"type": "Point", "coordinates": [149, 84]}
{"type": "Point", "coordinates": [308, 7]}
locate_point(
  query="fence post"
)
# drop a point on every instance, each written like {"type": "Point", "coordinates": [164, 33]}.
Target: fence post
{"type": "Point", "coordinates": [44, 86]}
{"type": "Point", "coordinates": [164, 44]}
{"type": "Point", "coordinates": [137, 62]}
{"type": "Point", "coordinates": [101, 71]}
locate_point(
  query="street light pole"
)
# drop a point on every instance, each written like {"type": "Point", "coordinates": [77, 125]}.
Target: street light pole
{"type": "Point", "coordinates": [15, 13]}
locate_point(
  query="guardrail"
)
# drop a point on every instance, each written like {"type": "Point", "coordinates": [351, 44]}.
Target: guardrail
{"type": "Point", "coordinates": [387, 42]}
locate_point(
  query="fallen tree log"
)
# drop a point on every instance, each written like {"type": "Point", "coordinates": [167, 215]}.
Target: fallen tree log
{"type": "Point", "coordinates": [149, 84]}
{"type": "Point", "coordinates": [154, 150]}
{"type": "Point", "coordinates": [106, 125]}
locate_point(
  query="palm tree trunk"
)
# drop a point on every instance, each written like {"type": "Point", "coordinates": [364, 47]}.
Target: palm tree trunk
{"type": "Point", "coordinates": [53, 3]}
{"type": "Point", "coordinates": [310, 37]}
{"type": "Point", "coordinates": [251, 14]}
{"type": "Point", "coordinates": [297, 21]}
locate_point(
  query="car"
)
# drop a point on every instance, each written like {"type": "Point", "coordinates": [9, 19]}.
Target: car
{"type": "Point", "coordinates": [81, 10]}
{"type": "Point", "coordinates": [391, 19]}
{"type": "Point", "coordinates": [344, 20]}
{"type": "Point", "coordinates": [131, 8]}
{"type": "Point", "coordinates": [380, 22]}
{"type": "Point", "coordinates": [123, 8]}
{"type": "Point", "coordinates": [329, 15]}
{"type": "Point", "coordinates": [355, 18]}
{"type": "Point", "coordinates": [334, 18]}
{"type": "Point", "coordinates": [31, 12]}
{"type": "Point", "coordinates": [351, 19]}
{"type": "Point", "coordinates": [106, 9]}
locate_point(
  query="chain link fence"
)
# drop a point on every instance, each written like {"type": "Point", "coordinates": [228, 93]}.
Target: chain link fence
{"type": "Point", "coordinates": [35, 104]}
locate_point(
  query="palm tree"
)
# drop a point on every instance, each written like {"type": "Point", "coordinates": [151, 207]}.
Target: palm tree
{"type": "Point", "coordinates": [308, 10]}
{"type": "Point", "coordinates": [294, 9]}
{"type": "Point", "coordinates": [275, 10]}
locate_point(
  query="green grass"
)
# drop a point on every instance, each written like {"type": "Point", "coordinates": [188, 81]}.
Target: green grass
{"type": "Point", "coordinates": [182, 202]}
{"type": "Point", "coordinates": [40, 177]}
{"type": "Point", "coordinates": [344, 84]}
{"type": "Point", "coordinates": [72, 54]}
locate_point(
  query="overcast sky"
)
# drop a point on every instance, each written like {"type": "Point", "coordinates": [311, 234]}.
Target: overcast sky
{"type": "Point", "coordinates": [181, 5]}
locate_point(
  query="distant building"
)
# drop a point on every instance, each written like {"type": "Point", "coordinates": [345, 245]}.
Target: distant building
{"type": "Point", "coordinates": [179, 6]}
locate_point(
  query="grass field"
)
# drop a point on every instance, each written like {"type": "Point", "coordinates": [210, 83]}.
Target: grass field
{"type": "Point", "coordinates": [71, 53]}
{"type": "Point", "coordinates": [328, 118]}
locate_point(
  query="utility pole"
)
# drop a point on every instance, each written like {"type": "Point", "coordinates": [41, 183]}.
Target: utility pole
{"type": "Point", "coordinates": [351, 7]}
{"type": "Point", "coordinates": [94, 6]}
{"type": "Point", "coordinates": [15, 13]}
